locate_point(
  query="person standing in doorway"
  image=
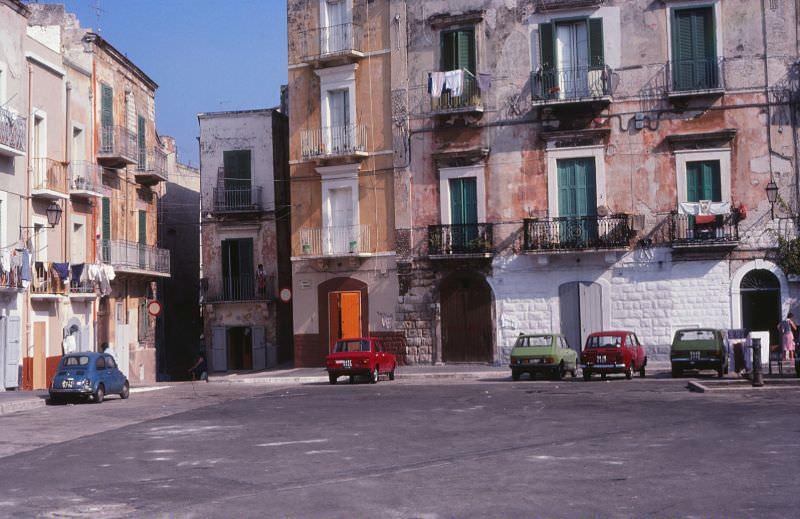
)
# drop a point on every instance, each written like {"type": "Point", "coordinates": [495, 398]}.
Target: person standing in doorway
{"type": "Point", "coordinates": [787, 329]}
{"type": "Point", "coordinates": [261, 279]}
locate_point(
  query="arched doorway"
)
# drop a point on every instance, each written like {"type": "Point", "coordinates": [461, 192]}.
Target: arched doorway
{"type": "Point", "coordinates": [760, 293]}
{"type": "Point", "coordinates": [581, 308]}
{"type": "Point", "coordinates": [466, 301]}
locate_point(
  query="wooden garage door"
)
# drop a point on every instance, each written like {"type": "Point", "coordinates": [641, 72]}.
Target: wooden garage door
{"type": "Point", "coordinates": [466, 320]}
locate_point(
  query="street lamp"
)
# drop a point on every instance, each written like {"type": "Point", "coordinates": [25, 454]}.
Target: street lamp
{"type": "Point", "coordinates": [53, 216]}
{"type": "Point", "coordinates": [772, 196]}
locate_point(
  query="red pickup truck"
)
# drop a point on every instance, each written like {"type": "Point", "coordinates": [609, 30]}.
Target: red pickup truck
{"type": "Point", "coordinates": [361, 356]}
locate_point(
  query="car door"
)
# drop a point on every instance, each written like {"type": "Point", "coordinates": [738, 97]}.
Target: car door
{"type": "Point", "coordinates": [378, 356]}
{"type": "Point", "coordinates": [640, 355]}
{"type": "Point", "coordinates": [101, 373]}
{"type": "Point", "coordinates": [114, 375]}
{"type": "Point", "coordinates": [630, 344]}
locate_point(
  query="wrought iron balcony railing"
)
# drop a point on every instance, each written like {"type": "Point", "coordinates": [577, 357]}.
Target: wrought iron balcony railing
{"type": "Point", "coordinates": [132, 257]}
{"type": "Point", "coordinates": [704, 231]}
{"type": "Point", "coordinates": [244, 287]}
{"type": "Point", "coordinates": [571, 84]}
{"type": "Point", "coordinates": [578, 233]}
{"type": "Point", "coordinates": [13, 132]}
{"type": "Point", "coordinates": [151, 165]}
{"type": "Point", "coordinates": [49, 178]}
{"type": "Point", "coordinates": [334, 141]}
{"type": "Point", "coordinates": [460, 239]}
{"type": "Point", "coordinates": [457, 100]}
{"type": "Point", "coordinates": [336, 41]}
{"type": "Point", "coordinates": [336, 241]}
{"type": "Point", "coordinates": [697, 75]}
{"type": "Point", "coordinates": [237, 199]}
{"type": "Point", "coordinates": [117, 146]}
{"type": "Point", "coordinates": [85, 178]}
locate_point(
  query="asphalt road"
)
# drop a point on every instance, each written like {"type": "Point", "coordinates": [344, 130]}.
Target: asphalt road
{"type": "Point", "coordinates": [640, 448]}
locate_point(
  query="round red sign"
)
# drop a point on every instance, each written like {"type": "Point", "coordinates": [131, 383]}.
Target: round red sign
{"type": "Point", "coordinates": [154, 308]}
{"type": "Point", "coordinates": [286, 295]}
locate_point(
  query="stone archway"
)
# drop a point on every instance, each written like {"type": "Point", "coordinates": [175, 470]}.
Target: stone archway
{"type": "Point", "coordinates": [760, 293]}
{"type": "Point", "coordinates": [467, 323]}
{"type": "Point", "coordinates": [736, 288]}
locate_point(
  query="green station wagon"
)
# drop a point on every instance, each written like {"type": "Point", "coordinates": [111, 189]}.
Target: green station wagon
{"type": "Point", "coordinates": [545, 353]}
{"type": "Point", "coordinates": [698, 349]}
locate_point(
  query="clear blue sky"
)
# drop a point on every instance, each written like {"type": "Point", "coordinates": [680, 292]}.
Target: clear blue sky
{"type": "Point", "coordinates": [205, 55]}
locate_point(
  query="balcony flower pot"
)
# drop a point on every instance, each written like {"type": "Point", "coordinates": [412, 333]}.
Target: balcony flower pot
{"type": "Point", "coordinates": [353, 246]}
{"type": "Point", "coordinates": [306, 248]}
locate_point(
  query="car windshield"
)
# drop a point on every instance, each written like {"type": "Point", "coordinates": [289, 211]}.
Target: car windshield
{"type": "Point", "coordinates": [696, 335]}
{"type": "Point", "coordinates": [83, 360]}
{"type": "Point", "coordinates": [604, 341]}
{"type": "Point", "coordinates": [351, 346]}
{"type": "Point", "coordinates": [533, 341]}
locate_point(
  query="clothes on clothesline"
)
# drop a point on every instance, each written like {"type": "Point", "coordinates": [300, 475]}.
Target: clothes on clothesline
{"type": "Point", "coordinates": [62, 269]}
{"type": "Point", "coordinates": [452, 80]}
{"type": "Point", "coordinates": [710, 208]}
{"type": "Point", "coordinates": [76, 272]}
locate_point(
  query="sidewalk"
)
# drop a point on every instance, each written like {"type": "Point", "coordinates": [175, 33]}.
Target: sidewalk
{"type": "Point", "coordinates": [14, 401]}
{"type": "Point", "coordinates": [416, 372]}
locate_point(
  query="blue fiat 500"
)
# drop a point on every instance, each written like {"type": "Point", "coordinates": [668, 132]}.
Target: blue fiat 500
{"type": "Point", "coordinates": [88, 375]}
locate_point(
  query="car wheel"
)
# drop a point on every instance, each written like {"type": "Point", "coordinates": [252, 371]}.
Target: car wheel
{"type": "Point", "coordinates": [515, 375]}
{"type": "Point", "coordinates": [629, 372]}
{"type": "Point", "coordinates": [391, 373]}
{"type": "Point", "coordinates": [587, 375]}
{"type": "Point", "coordinates": [560, 372]}
{"type": "Point", "coordinates": [100, 394]}
{"type": "Point", "coordinates": [126, 391]}
{"type": "Point", "coordinates": [676, 373]}
{"type": "Point", "coordinates": [56, 400]}
{"type": "Point", "coordinates": [332, 379]}
{"type": "Point", "coordinates": [352, 379]}
{"type": "Point", "coordinates": [374, 378]}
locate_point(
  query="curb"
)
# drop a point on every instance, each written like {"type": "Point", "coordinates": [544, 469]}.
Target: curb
{"type": "Point", "coordinates": [317, 379]}
{"type": "Point", "coordinates": [21, 405]}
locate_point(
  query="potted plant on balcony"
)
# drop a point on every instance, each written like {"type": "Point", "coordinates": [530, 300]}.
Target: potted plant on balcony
{"type": "Point", "coordinates": [306, 248]}
{"type": "Point", "coordinates": [353, 246]}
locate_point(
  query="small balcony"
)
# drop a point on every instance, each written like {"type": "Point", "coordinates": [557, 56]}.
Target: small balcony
{"type": "Point", "coordinates": [82, 290]}
{"type": "Point", "coordinates": [461, 240]}
{"type": "Point", "coordinates": [334, 45]}
{"type": "Point", "coordinates": [571, 86]}
{"type": "Point", "coordinates": [49, 179]}
{"type": "Point", "coordinates": [459, 96]}
{"type": "Point", "coordinates": [85, 180]}
{"type": "Point", "coordinates": [151, 167]}
{"type": "Point", "coordinates": [321, 242]}
{"type": "Point", "coordinates": [13, 133]}
{"type": "Point", "coordinates": [345, 143]}
{"type": "Point", "coordinates": [566, 234]}
{"type": "Point", "coordinates": [129, 257]}
{"type": "Point", "coordinates": [704, 231]}
{"type": "Point", "coordinates": [695, 78]}
{"type": "Point", "coordinates": [245, 288]}
{"type": "Point", "coordinates": [117, 147]}
{"type": "Point", "coordinates": [237, 199]}
{"type": "Point", "coordinates": [46, 285]}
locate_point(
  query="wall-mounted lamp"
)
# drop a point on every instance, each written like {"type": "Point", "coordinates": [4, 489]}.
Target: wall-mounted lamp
{"type": "Point", "coordinates": [772, 196]}
{"type": "Point", "coordinates": [53, 216]}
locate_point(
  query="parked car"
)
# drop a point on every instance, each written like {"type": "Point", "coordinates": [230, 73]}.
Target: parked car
{"type": "Point", "coordinates": [699, 349]}
{"type": "Point", "coordinates": [88, 375]}
{"type": "Point", "coordinates": [617, 351]}
{"type": "Point", "coordinates": [362, 356]}
{"type": "Point", "coordinates": [545, 353]}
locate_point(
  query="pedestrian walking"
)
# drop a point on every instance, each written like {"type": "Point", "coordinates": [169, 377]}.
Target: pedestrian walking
{"type": "Point", "coordinates": [787, 329]}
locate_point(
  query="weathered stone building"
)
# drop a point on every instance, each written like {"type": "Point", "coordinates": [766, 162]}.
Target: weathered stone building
{"type": "Point", "coordinates": [245, 238]}
{"type": "Point", "coordinates": [561, 165]}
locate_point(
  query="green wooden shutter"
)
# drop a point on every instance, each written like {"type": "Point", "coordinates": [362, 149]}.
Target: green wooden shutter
{"type": "Point", "coordinates": [596, 55]}
{"type": "Point", "coordinates": [107, 106]}
{"type": "Point", "coordinates": [142, 136]}
{"type": "Point", "coordinates": [693, 182]}
{"type": "Point", "coordinates": [577, 189]}
{"type": "Point", "coordinates": [449, 51]}
{"type": "Point", "coordinates": [464, 200]}
{"type": "Point", "coordinates": [106, 233]}
{"type": "Point", "coordinates": [456, 202]}
{"type": "Point", "coordinates": [547, 53]}
{"type": "Point", "coordinates": [566, 183]}
{"type": "Point", "coordinates": [694, 49]}
{"type": "Point", "coordinates": [466, 50]}
{"type": "Point", "coordinates": [143, 227]}
{"type": "Point", "coordinates": [703, 181]}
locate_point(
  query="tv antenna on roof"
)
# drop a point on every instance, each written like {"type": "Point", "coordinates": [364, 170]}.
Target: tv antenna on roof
{"type": "Point", "coordinates": [94, 5]}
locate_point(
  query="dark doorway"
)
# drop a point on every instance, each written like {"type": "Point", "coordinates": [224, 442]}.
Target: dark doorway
{"type": "Point", "coordinates": [466, 319]}
{"type": "Point", "coordinates": [240, 348]}
{"type": "Point", "coordinates": [761, 303]}
{"type": "Point", "coordinates": [581, 306]}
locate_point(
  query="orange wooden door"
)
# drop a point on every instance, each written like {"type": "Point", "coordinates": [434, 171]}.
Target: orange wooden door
{"type": "Point", "coordinates": [351, 314]}
{"type": "Point", "coordinates": [39, 356]}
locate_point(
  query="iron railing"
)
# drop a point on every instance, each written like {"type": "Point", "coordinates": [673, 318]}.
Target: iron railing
{"type": "Point", "coordinates": [336, 40]}
{"type": "Point", "coordinates": [151, 161]}
{"type": "Point", "coordinates": [336, 241]}
{"type": "Point", "coordinates": [85, 176]}
{"type": "Point", "coordinates": [333, 141]}
{"type": "Point", "coordinates": [469, 238]}
{"type": "Point", "coordinates": [130, 255]}
{"type": "Point", "coordinates": [118, 142]}
{"type": "Point", "coordinates": [49, 174]}
{"type": "Point", "coordinates": [453, 100]}
{"type": "Point", "coordinates": [571, 84]}
{"type": "Point", "coordinates": [13, 130]}
{"type": "Point", "coordinates": [234, 200]}
{"type": "Point", "coordinates": [695, 75]}
{"type": "Point", "coordinates": [244, 287]}
{"type": "Point", "coordinates": [687, 230]}
{"type": "Point", "coordinates": [577, 233]}
{"type": "Point", "coordinates": [81, 287]}
{"type": "Point", "coordinates": [45, 281]}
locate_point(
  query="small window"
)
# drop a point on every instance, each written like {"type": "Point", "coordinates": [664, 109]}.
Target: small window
{"type": "Point", "coordinates": [110, 363]}
{"type": "Point", "coordinates": [100, 363]}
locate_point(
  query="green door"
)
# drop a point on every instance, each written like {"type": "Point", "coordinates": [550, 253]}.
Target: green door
{"type": "Point", "coordinates": [694, 49]}
{"type": "Point", "coordinates": [142, 239]}
{"type": "Point", "coordinates": [463, 213]}
{"type": "Point", "coordinates": [577, 202]}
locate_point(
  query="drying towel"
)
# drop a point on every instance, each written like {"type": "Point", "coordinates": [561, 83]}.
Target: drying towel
{"type": "Point", "coordinates": [712, 208]}
{"type": "Point", "coordinates": [484, 82]}
{"type": "Point", "coordinates": [62, 269]}
{"type": "Point", "coordinates": [77, 272]}
{"type": "Point", "coordinates": [436, 84]}
{"type": "Point", "coordinates": [454, 81]}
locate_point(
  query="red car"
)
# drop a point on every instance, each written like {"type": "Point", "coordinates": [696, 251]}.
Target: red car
{"type": "Point", "coordinates": [613, 352]}
{"type": "Point", "coordinates": [362, 356]}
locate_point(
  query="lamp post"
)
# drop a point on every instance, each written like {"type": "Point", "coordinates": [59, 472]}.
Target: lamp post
{"type": "Point", "coordinates": [772, 196]}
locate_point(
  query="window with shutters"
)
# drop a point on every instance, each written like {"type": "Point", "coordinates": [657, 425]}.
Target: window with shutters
{"type": "Point", "coordinates": [238, 280]}
{"type": "Point", "coordinates": [106, 119]}
{"type": "Point", "coordinates": [141, 132]}
{"type": "Point", "coordinates": [340, 215]}
{"type": "Point", "coordinates": [458, 50]}
{"type": "Point", "coordinates": [704, 196]}
{"type": "Point", "coordinates": [571, 60]}
{"type": "Point", "coordinates": [694, 64]}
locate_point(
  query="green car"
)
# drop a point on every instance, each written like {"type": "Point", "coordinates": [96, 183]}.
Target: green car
{"type": "Point", "coordinates": [545, 353]}
{"type": "Point", "coordinates": [698, 349]}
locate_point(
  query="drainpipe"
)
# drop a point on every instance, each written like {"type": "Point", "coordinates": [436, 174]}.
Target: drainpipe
{"type": "Point", "coordinates": [67, 160]}
{"type": "Point", "coordinates": [29, 170]}
{"type": "Point", "coordinates": [766, 87]}
{"type": "Point", "coordinates": [793, 112]}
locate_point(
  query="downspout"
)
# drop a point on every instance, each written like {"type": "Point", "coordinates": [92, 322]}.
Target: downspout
{"type": "Point", "coordinates": [766, 88]}
{"type": "Point", "coordinates": [28, 325]}
{"type": "Point", "coordinates": [793, 112]}
{"type": "Point", "coordinates": [67, 158]}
